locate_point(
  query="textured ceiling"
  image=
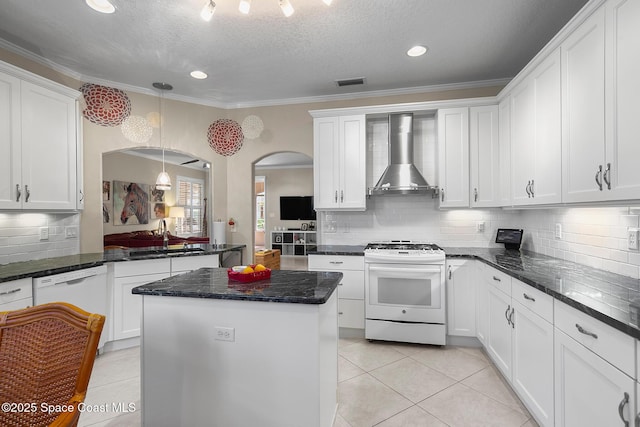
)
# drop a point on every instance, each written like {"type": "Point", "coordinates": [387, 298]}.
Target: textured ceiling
{"type": "Point", "coordinates": [265, 58]}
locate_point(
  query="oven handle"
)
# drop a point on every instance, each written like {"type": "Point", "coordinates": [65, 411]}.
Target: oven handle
{"type": "Point", "coordinates": [412, 271]}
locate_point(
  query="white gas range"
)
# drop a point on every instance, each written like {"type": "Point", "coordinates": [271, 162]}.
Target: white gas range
{"type": "Point", "coordinates": [404, 292]}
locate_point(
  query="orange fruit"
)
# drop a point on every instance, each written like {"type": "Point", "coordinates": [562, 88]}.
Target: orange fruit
{"type": "Point", "coordinates": [247, 270]}
{"type": "Point", "coordinates": [259, 267]}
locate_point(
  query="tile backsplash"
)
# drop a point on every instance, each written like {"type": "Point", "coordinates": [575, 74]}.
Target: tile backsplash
{"type": "Point", "coordinates": [591, 236]}
{"type": "Point", "coordinates": [20, 236]}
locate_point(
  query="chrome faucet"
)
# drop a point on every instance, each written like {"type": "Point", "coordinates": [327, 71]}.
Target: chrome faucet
{"type": "Point", "coordinates": [162, 228]}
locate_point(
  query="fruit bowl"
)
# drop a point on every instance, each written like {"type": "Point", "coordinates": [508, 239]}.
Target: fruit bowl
{"type": "Point", "coordinates": [249, 277]}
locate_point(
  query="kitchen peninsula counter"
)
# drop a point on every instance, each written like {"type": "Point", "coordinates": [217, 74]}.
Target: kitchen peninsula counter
{"type": "Point", "coordinates": [221, 352]}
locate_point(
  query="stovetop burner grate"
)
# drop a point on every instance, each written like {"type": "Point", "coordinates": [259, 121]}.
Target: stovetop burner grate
{"type": "Point", "coordinates": [402, 245]}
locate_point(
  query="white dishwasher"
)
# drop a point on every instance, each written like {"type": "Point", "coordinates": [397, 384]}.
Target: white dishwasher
{"type": "Point", "coordinates": [85, 288]}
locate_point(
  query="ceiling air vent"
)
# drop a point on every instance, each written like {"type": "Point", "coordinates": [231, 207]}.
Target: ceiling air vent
{"type": "Point", "coordinates": [350, 82]}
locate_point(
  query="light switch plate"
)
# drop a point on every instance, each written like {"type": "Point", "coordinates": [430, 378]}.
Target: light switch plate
{"type": "Point", "coordinates": [44, 233]}
{"type": "Point", "coordinates": [558, 232]}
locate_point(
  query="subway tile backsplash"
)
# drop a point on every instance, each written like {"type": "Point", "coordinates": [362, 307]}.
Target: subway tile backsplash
{"type": "Point", "coordinates": [20, 236]}
{"type": "Point", "coordinates": [591, 236]}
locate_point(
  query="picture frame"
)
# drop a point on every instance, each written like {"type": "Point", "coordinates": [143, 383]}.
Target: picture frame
{"type": "Point", "coordinates": [304, 226]}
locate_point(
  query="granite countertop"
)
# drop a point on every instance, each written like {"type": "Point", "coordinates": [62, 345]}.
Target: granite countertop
{"type": "Point", "coordinates": [611, 298]}
{"type": "Point", "coordinates": [348, 250]}
{"type": "Point", "coordinates": [56, 265]}
{"type": "Point", "coordinates": [303, 287]}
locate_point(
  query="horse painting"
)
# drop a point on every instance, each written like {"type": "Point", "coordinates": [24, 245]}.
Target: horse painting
{"type": "Point", "coordinates": [135, 202]}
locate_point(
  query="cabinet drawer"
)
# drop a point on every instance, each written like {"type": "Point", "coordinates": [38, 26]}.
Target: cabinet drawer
{"type": "Point", "coordinates": [532, 298]}
{"type": "Point", "coordinates": [352, 285]}
{"type": "Point", "coordinates": [190, 263]}
{"type": "Point", "coordinates": [336, 262]}
{"type": "Point", "coordinates": [498, 279]}
{"type": "Point", "coordinates": [16, 294]}
{"type": "Point", "coordinates": [137, 268]}
{"type": "Point", "coordinates": [612, 345]}
{"type": "Point", "coordinates": [351, 313]}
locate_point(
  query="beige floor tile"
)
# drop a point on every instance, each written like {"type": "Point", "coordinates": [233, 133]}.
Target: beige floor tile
{"type": "Point", "coordinates": [123, 420]}
{"type": "Point", "coordinates": [347, 370]}
{"type": "Point", "coordinates": [530, 423]}
{"type": "Point", "coordinates": [412, 379]}
{"type": "Point", "coordinates": [115, 366]}
{"type": "Point", "coordinates": [461, 406]}
{"type": "Point", "coordinates": [340, 422]}
{"type": "Point", "coordinates": [345, 342]}
{"type": "Point", "coordinates": [363, 401]}
{"type": "Point", "coordinates": [409, 348]}
{"type": "Point", "coordinates": [369, 356]}
{"type": "Point", "coordinates": [489, 381]}
{"type": "Point", "coordinates": [475, 351]}
{"type": "Point", "coordinates": [450, 361]}
{"type": "Point", "coordinates": [412, 417]}
{"type": "Point", "coordinates": [106, 396]}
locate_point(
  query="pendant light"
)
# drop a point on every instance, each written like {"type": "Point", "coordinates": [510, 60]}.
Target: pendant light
{"type": "Point", "coordinates": [164, 180]}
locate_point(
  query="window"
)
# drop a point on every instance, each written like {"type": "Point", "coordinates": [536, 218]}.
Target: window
{"type": "Point", "coordinates": [260, 197]}
{"type": "Point", "coordinates": [190, 195]}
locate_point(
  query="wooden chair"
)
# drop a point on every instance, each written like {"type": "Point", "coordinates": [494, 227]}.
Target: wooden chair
{"type": "Point", "coordinates": [46, 357]}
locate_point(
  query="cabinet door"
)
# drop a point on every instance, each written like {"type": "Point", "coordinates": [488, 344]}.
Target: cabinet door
{"type": "Point", "coordinates": [10, 137]}
{"type": "Point", "coordinates": [482, 307]}
{"type": "Point", "coordinates": [532, 373]}
{"type": "Point", "coordinates": [461, 298]}
{"type": "Point", "coordinates": [622, 106]}
{"type": "Point", "coordinates": [499, 339]}
{"type": "Point", "coordinates": [583, 112]}
{"type": "Point", "coordinates": [589, 392]}
{"type": "Point", "coordinates": [48, 148]}
{"type": "Point", "coordinates": [522, 141]}
{"type": "Point", "coordinates": [127, 309]}
{"type": "Point", "coordinates": [504, 141]}
{"type": "Point", "coordinates": [453, 157]}
{"type": "Point", "coordinates": [325, 162]}
{"type": "Point", "coordinates": [484, 156]}
{"type": "Point", "coordinates": [352, 191]}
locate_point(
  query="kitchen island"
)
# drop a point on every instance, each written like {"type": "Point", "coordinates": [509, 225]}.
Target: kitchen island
{"type": "Point", "coordinates": [225, 353]}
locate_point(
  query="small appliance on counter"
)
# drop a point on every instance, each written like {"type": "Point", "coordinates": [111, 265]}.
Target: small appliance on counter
{"type": "Point", "coordinates": [511, 237]}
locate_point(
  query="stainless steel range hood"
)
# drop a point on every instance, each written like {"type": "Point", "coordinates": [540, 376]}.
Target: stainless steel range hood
{"type": "Point", "coordinates": [401, 175]}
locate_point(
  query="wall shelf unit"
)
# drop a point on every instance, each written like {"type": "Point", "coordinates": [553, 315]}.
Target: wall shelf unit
{"type": "Point", "coordinates": [294, 242]}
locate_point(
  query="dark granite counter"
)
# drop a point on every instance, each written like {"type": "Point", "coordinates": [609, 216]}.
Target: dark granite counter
{"type": "Point", "coordinates": [304, 287]}
{"type": "Point", "coordinates": [348, 250]}
{"type": "Point", "coordinates": [56, 265]}
{"type": "Point", "coordinates": [611, 298]}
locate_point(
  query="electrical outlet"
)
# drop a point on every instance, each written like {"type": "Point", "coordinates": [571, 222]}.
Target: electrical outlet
{"type": "Point", "coordinates": [558, 233]}
{"type": "Point", "coordinates": [71, 232]}
{"type": "Point", "coordinates": [225, 334]}
{"type": "Point", "coordinates": [44, 233]}
{"type": "Point", "coordinates": [632, 238]}
{"type": "Point", "coordinates": [480, 227]}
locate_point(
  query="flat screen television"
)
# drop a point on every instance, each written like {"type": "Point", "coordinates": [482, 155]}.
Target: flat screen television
{"type": "Point", "coordinates": [297, 208]}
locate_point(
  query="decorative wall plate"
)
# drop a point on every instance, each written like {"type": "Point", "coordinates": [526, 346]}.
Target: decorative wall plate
{"type": "Point", "coordinates": [225, 137]}
{"type": "Point", "coordinates": [106, 106]}
{"type": "Point", "coordinates": [252, 127]}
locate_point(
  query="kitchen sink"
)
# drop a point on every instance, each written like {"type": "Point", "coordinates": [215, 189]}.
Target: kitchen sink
{"type": "Point", "coordinates": [172, 250]}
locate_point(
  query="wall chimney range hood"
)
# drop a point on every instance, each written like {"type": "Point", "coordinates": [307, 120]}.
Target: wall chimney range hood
{"type": "Point", "coordinates": [401, 175]}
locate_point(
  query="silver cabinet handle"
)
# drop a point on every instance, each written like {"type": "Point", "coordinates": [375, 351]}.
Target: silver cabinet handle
{"type": "Point", "coordinates": [341, 313]}
{"type": "Point", "coordinates": [341, 196]}
{"type": "Point", "coordinates": [336, 262]}
{"type": "Point", "coordinates": [506, 314]}
{"type": "Point", "coordinates": [475, 194]}
{"type": "Point", "coordinates": [598, 177]}
{"type": "Point", "coordinates": [528, 189]}
{"type": "Point", "coordinates": [497, 279]}
{"type": "Point", "coordinates": [528, 297]}
{"type": "Point", "coordinates": [18, 192]}
{"type": "Point", "coordinates": [81, 196]}
{"type": "Point", "coordinates": [584, 331]}
{"type": "Point", "coordinates": [442, 194]}
{"type": "Point", "coordinates": [28, 193]}
{"type": "Point", "coordinates": [12, 291]}
{"type": "Point", "coordinates": [513, 324]}
{"type": "Point", "coordinates": [449, 272]}
{"type": "Point", "coordinates": [607, 176]}
{"type": "Point", "coordinates": [336, 197]}
{"type": "Point", "coordinates": [533, 193]}
{"type": "Point", "coordinates": [623, 402]}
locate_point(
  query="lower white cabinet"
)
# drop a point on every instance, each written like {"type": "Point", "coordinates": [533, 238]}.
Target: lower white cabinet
{"type": "Point", "coordinates": [482, 304]}
{"type": "Point", "coordinates": [16, 294]}
{"type": "Point", "coordinates": [180, 265]}
{"type": "Point", "coordinates": [499, 340]}
{"type": "Point", "coordinates": [350, 288]}
{"type": "Point", "coordinates": [461, 298]}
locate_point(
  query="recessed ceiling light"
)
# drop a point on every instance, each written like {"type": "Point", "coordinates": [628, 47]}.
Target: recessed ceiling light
{"type": "Point", "coordinates": [102, 6]}
{"type": "Point", "coordinates": [417, 51]}
{"type": "Point", "coordinates": [199, 74]}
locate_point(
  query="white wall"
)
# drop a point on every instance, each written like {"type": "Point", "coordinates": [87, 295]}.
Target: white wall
{"type": "Point", "coordinates": [284, 182]}
{"type": "Point", "coordinates": [20, 236]}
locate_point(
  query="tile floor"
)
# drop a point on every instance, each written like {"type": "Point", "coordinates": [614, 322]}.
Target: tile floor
{"type": "Point", "coordinates": [379, 384]}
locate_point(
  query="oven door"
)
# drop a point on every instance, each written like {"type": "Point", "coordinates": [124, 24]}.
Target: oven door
{"type": "Point", "coordinates": [405, 293]}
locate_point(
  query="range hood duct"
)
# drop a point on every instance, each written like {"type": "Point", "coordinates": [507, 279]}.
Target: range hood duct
{"type": "Point", "coordinates": [401, 175]}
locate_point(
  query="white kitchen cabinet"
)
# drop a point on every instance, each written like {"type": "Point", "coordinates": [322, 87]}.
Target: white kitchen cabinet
{"type": "Point", "coordinates": [482, 304]}
{"type": "Point", "coordinates": [453, 157]}
{"type": "Point", "coordinates": [499, 340]}
{"type": "Point", "coordinates": [16, 294]}
{"type": "Point", "coordinates": [185, 264]}
{"type": "Point", "coordinates": [589, 392]}
{"type": "Point", "coordinates": [484, 156]}
{"type": "Point", "coordinates": [504, 141]}
{"type": "Point", "coordinates": [39, 155]}
{"type": "Point", "coordinates": [461, 297]}
{"type": "Point", "coordinates": [536, 135]}
{"type": "Point", "coordinates": [127, 308]}
{"type": "Point", "coordinates": [350, 288]}
{"type": "Point", "coordinates": [339, 163]}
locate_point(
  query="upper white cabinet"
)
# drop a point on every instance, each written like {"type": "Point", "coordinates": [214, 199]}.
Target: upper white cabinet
{"type": "Point", "coordinates": [453, 157]}
{"type": "Point", "coordinates": [504, 139]}
{"type": "Point", "coordinates": [536, 135]}
{"type": "Point", "coordinates": [38, 127]}
{"type": "Point", "coordinates": [339, 163]}
{"type": "Point", "coordinates": [484, 156]}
